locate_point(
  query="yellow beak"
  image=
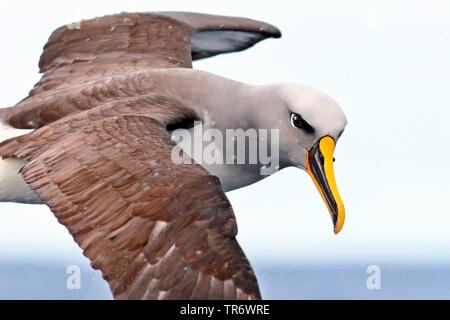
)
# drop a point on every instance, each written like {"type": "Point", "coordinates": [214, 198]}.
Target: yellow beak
{"type": "Point", "coordinates": [319, 165]}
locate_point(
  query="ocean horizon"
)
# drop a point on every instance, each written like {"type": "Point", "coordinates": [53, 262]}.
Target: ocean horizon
{"type": "Point", "coordinates": [48, 280]}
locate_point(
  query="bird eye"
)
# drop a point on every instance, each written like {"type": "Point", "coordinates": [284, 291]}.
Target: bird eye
{"type": "Point", "coordinates": [297, 121]}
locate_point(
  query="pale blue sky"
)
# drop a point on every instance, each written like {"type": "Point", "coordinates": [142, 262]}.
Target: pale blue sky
{"type": "Point", "coordinates": [385, 62]}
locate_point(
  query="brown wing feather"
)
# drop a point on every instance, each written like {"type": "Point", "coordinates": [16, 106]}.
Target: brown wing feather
{"type": "Point", "coordinates": [111, 45]}
{"type": "Point", "coordinates": [156, 230]}
{"type": "Point", "coordinates": [80, 61]}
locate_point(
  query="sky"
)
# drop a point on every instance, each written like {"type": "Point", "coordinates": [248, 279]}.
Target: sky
{"type": "Point", "coordinates": [385, 62]}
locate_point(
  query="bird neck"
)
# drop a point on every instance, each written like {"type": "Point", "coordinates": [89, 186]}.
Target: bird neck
{"type": "Point", "coordinates": [219, 102]}
{"type": "Point", "coordinates": [226, 106]}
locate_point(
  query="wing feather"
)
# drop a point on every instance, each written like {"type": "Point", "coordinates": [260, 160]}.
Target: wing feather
{"type": "Point", "coordinates": [152, 236]}
{"type": "Point", "coordinates": [95, 60]}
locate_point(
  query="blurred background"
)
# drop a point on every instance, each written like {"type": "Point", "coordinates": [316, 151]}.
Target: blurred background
{"type": "Point", "coordinates": [385, 62]}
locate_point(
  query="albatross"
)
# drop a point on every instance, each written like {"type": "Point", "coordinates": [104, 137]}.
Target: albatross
{"type": "Point", "coordinates": [93, 142]}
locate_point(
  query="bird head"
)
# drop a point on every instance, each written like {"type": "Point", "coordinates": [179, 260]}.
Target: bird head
{"type": "Point", "coordinates": [310, 123]}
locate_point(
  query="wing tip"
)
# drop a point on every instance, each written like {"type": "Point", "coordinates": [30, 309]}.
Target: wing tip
{"type": "Point", "coordinates": [210, 22]}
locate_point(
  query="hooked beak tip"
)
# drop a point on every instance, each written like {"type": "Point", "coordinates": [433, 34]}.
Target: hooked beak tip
{"type": "Point", "coordinates": [338, 227]}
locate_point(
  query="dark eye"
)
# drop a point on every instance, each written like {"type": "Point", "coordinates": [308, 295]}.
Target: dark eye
{"type": "Point", "coordinates": [298, 122]}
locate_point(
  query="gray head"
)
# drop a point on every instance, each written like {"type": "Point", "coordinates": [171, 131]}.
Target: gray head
{"type": "Point", "coordinates": [309, 123]}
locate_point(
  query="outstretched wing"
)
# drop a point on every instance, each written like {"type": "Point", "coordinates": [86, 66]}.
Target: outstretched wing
{"type": "Point", "coordinates": [128, 42]}
{"type": "Point", "coordinates": [156, 229]}
{"type": "Point", "coordinates": [93, 51]}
